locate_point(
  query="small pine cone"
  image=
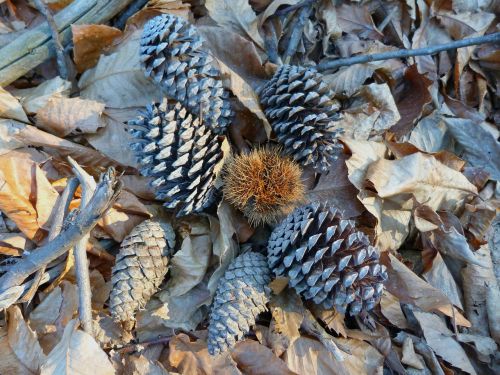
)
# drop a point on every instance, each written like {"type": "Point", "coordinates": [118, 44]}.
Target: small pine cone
{"type": "Point", "coordinates": [327, 260]}
{"type": "Point", "coordinates": [172, 54]}
{"type": "Point", "coordinates": [140, 267]}
{"type": "Point", "coordinates": [241, 295]}
{"type": "Point", "coordinates": [179, 153]}
{"type": "Point", "coordinates": [302, 113]}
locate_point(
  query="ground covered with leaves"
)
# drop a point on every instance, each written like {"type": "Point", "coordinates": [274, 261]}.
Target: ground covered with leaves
{"type": "Point", "coordinates": [417, 172]}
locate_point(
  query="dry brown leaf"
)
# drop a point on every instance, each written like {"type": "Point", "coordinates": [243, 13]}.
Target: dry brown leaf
{"type": "Point", "coordinates": [236, 15]}
{"type": "Point", "coordinates": [10, 107]}
{"type": "Point", "coordinates": [256, 359]}
{"type": "Point", "coordinates": [13, 244]}
{"type": "Point", "coordinates": [336, 189]}
{"type": "Point", "coordinates": [414, 97]}
{"type": "Point", "coordinates": [440, 339]}
{"type": "Point", "coordinates": [370, 114]}
{"type": "Point", "coordinates": [430, 134]}
{"type": "Point", "coordinates": [118, 80]}
{"type": "Point", "coordinates": [64, 116]}
{"type": "Point", "coordinates": [333, 319]}
{"type": "Point", "coordinates": [138, 185]}
{"type": "Point", "coordinates": [9, 363]}
{"type": "Point", "coordinates": [156, 7]}
{"type": "Point", "coordinates": [23, 341]}
{"type": "Point", "coordinates": [409, 357]}
{"type": "Point", "coordinates": [288, 313]}
{"type": "Point", "coordinates": [89, 42]}
{"type": "Point", "coordinates": [35, 98]}
{"type": "Point", "coordinates": [356, 19]}
{"type": "Point", "coordinates": [46, 199]}
{"type": "Point", "coordinates": [349, 79]}
{"type": "Point", "coordinates": [142, 365]}
{"type": "Point", "coordinates": [187, 357]}
{"type": "Point", "coordinates": [391, 309]}
{"type": "Point", "coordinates": [77, 354]}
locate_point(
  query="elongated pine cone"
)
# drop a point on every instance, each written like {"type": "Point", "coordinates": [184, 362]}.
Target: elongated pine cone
{"type": "Point", "coordinates": [302, 112]}
{"type": "Point", "coordinates": [172, 54]}
{"type": "Point", "coordinates": [327, 260]}
{"type": "Point", "coordinates": [264, 184]}
{"type": "Point", "coordinates": [180, 153]}
{"type": "Point", "coordinates": [140, 267]}
{"type": "Point", "coordinates": [241, 295]}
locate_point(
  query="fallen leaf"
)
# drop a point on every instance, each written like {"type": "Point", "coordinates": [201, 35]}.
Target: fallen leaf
{"type": "Point", "coordinates": [118, 80]}
{"type": "Point", "coordinates": [430, 134]}
{"type": "Point", "coordinates": [64, 116]}
{"type": "Point", "coordinates": [10, 107]}
{"type": "Point", "coordinates": [347, 80]}
{"type": "Point", "coordinates": [141, 365]}
{"type": "Point", "coordinates": [77, 353]}
{"type": "Point", "coordinates": [411, 358]}
{"type": "Point", "coordinates": [13, 244]}
{"type": "Point", "coordinates": [440, 339]}
{"type": "Point", "coordinates": [236, 15]}
{"type": "Point", "coordinates": [89, 42]}
{"type": "Point", "coordinates": [485, 347]}
{"type": "Point", "coordinates": [256, 359]}
{"type": "Point", "coordinates": [288, 313]}
{"type": "Point", "coordinates": [35, 98]}
{"type": "Point", "coordinates": [391, 310]}
{"type": "Point", "coordinates": [480, 148]}
{"type": "Point", "coordinates": [23, 341]}
{"type": "Point", "coordinates": [356, 19]}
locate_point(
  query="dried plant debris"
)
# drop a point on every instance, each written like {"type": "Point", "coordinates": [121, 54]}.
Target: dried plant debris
{"type": "Point", "coordinates": [180, 153]}
{"type": "Point", "coordinates": [140, 267]}
{"type": "Point", "coordinates": [264, 184]}
{"type": "Point", "coordinates": [242, 294]}
{"type": "Point", "coordinates": [172, 54]}
{"type": "Point", "coordinates": [302, 111]}
{"type": "Point", "coordinates": [327, 260]}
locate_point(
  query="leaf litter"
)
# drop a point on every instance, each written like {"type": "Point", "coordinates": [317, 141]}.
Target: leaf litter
{"type": "Point", "coordinates": [419, 174]}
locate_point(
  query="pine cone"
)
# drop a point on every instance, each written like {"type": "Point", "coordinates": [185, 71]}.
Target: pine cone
{"type": "Point", "coordinates": [172, 54]}
{"type": "Point", "coordinates": [179, 153]}
{"type": "Point", "coordinates": [302, 113]}
{"type": "Point", "coordinates": [241, 295]}
{"type": "Point", "coordinates": [327, 260]}
{"type": "Point", "coordinates": [140, 267]}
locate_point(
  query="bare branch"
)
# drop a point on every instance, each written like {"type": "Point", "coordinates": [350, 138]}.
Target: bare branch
{"type": "Point", "coordinates": [403, 53]}
{"type": "Point", "coordinates": [297, 31]}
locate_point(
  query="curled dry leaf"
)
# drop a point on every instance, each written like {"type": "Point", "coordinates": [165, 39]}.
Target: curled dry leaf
{"type": "Point", "coordinates": [10, 107]}
{"type": "Point", "coordinates": [356, 19]}
{"type": "Point", "coordinates": [13, 244]}
{"type": "Point", "coordinates": [141, 365]}
{"type": "Point", "coordinates": [288, 313]}
{"type": "Point", "coordinates": [63, 116]}
{"type": "Point", "coordinates": [77, 354]}
{"type": "Point", "coordinates": [391, 310]}
{"type": "Point", "coordinates": [256, 359]}
{"type": "Point", "coordinates": [89, 42]}
{"type": "Point", "coordinates": [35, 98]}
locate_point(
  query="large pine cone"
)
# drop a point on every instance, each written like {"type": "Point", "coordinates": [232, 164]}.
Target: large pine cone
{"type": "Point", "coordinates": [140, 267]}
{"type": "Point", "coordinates": [180, 153]}
{"type": "Point", "coordinates": [241, 295]}
{"type": "Point", "coordinates": [327, 260]}
{"type": "Point", "coordinates": [302, 113]}
{"type": "Point", "coordinates": [173, 55]}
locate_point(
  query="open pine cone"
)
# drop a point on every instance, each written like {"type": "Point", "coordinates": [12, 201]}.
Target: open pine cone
{"type": "Point", "coordinates": [180, 153]}
{"type": "Point", "coordinates": [172, 54]}
{"type": "Point", "coordinates": [327, 260]}
{"type": "Point", "coordinates": [302, 112]}
{"type": "Point", "coordinates": [140, 267]}
{"type": "Point", "coordinates": [241, 295]}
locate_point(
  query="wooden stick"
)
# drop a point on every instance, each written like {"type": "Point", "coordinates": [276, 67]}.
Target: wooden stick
{"type": "Point", "coordinates": [81, 263]}
{"type": "Point", "coordinates": [105, 194]}
{"type": "Point", "coordinates": [33, 47]}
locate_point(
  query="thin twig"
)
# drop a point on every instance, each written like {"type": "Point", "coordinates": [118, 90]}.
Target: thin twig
{"type": "Point", "coordinates": [60, 54]}
{"type": "Point", "coordinates": [81, 263]}
{"type": "Point", "coordinates": [296, 35]}
{"type": "Point", "coordinates": [105, 194]}
{"type": "Point", "coordinates": [122, 18]}
{"type": "Point", "coordinates": [403, 53]}
{"type": "Point", "coordinates": [60, 210]}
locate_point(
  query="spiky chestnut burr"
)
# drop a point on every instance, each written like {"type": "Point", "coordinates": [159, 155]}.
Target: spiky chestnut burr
{"type": "Point", "coordinates": [264, 184]}
{"type": "Point", "coordinates": [179, 153]}
{"type": "Point", "coordinates": [327, 260]}
{"type": "Point", "coordinates": [140, 267]}
{"type": "Point", "coordinates": [172, 54]}
{"type": "Point", "coordinates": [302, 111]}
{"type": "Point", "coordinates": [241, 295]}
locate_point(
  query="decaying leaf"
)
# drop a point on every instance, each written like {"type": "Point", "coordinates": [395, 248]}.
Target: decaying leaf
{"type": "Point", "coordinates": [256, 359]}
{"type": "Point", "coordinates": [10, 107]}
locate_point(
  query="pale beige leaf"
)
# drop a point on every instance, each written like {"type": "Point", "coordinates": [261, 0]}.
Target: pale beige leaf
{"type": "Point", "coordinates": [356, 19]}
{"type": "Point", "coordinates": [256, 359]}
{"type": "Point", "coordinates": [77, 354]}
{"type": "Point", "coordinates": [372, 111]}
{"type": "Point", "coordinates": [46, 198]}
{"type": "Point", "coordinates": [288, 313]}
{"type": "Point", "coordinates": [23, 341]}
{"type": "Point", "coordinates": [349, 79]}
{"type": "Point", "coordinates": [364, 153]}
{"type": "Point", "coordinates": [9, 296]}
{"type": "Point", "coordinates": [35, 98]}
{"type": "Point", "coordinates": [391, 309]}
{"type": "Point", "coordinates": [429, 181]}
{"type": "Point", "coordinates": [142, 365]}
{"type": "Point", "coordinates": [9, 363]}
{"type": "Point", "coordinates": [10, 107]}
{"type": "Point", "coordinates": [364, 358]}
{"type": "Point", "coordinates": [8, 128]}
{"type": "Point", "coordinates": [430, 134]}
{"type": "Point", "coordinates": [236, 15]}
{"type": "Point", "coordinates": [440, 339]}
{"type": "Point", "coordinates": [485, 347]}
{"type": "Point", "coordinates": [411, 358]}
{"type": "Point", "coordinates": [13, 244]}
{"type": "Point", "coordinates": [89, 42]}
{"type": "Point", "coordinates": [118, 80]}
{"type": "Point", "coordinates": [63, 116]}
